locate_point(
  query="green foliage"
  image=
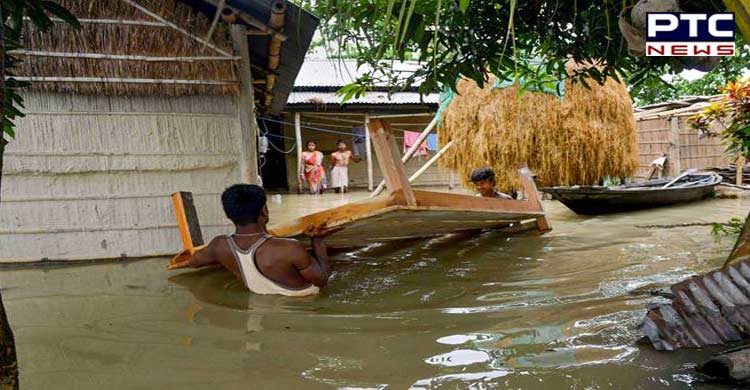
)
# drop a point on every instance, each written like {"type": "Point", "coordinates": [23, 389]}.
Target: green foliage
{"type": "Point", "coordinates": [732, 114]}
{"type": "Point", "coordinates": [731, 228]}
{"type": "Point", "coordinates": [461, 38]}
{"type": "Point", "coordinates": [39, 13]}
{"type": "Point", "coordinates": [656, 90]}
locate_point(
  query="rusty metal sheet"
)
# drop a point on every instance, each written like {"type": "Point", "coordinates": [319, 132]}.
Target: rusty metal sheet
{"type": "Point", "coordinates": [708, 309]}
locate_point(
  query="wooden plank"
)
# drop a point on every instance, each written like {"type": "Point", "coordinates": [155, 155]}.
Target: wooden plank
{"type": "Point", "coordinates": [399, 223]}
{"type": "Point", "coordinates": [389, 159]}
{"type": "Point", "coordinates": [334, 217]}
{"type": "Point", "coordinates": [532, 194]}
{"type": "Point", "coordinates": [187, 219]}
{"type": "Point", "coordinates": [410, 153]}
{"type": "Point", "coordinates": [246, 107]}
{"type": "Point", "coordinates": [431, 200]}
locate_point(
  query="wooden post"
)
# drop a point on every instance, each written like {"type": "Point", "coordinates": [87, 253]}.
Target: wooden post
{"type": "Point", "coordinates": [368, 150]}
{"type": "Point", "coordinates": [673, 150]}
{"type": "Point", "coordinates": [246, 107]}
{"type": "Point", "coordinates": [298, 138]}
{"type": "Point", "coordinates": [389, 159]}
{"type": "Point", "coordinates": [532, 195]}
{"type": "Point", "coordinates": [740, 167]}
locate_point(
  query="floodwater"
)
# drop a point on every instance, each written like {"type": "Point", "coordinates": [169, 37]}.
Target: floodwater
{"type": "Point", "coordinates": [480, 312]}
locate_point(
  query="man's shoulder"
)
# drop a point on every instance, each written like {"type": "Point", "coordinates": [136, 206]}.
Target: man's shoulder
{"type": "Point", "coordinates": [286, 243]}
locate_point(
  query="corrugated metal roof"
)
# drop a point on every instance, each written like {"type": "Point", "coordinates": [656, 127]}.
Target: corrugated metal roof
{"type": "Point", "coordinates": [317, 72]}
{"type": "Point", "coordinates": [707, 309]}
{"type": "Point", "coordinates": [304, 97]}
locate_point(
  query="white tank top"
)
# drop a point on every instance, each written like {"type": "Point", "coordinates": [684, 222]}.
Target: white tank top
{"type": "Point", "coordinates": [254, 280]}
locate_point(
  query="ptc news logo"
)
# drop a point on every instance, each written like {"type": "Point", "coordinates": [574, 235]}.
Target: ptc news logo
{"type": "Point", "coordinates": [690, 34]}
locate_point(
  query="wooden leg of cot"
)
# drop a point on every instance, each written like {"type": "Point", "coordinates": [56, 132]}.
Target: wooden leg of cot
{"type": "Point", "coordinates": [529, 187]}
{"type": "Point", "coordinates": [188, 224]}
{"type": "Point", "coordinates": [389, 158]}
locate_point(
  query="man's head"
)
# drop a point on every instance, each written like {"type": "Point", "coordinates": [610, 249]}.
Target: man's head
{"type": "Point", "coordinates": [311, 146]}
{"type": "Point", "coordinates": [341, 145]}
{"type": "Point", "coordinates": [245, 204]}
{"type": "Point", "coordinates": [484, 181]}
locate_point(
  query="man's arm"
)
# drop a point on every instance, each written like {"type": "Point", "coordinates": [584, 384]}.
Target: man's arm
{"type": "Point", "coordinates": [321, 253]}
{"type": "Point", "coordinates": [317, 268]}
{"type": "Point", "coordinates": [197, 257]}
{"type": "Point", "coordinates": [308, 266]}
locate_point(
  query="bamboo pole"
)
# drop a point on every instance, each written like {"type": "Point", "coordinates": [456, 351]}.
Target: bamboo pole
{"type": "Point", "coordinates": [430, 162]}
{"type": "Point", "coordinates": [246, 108]}
{"type": "Point", "coordinates": [368, 149]}
{"type": "Point", "coordinates": [215, 21]}
{"type": "Point", "coordinates": [247, 18]}
{"type": "Point", "coordinates": [386, 116]}
{"type": "Point", "coordinates": [176, 27]}
{"type": "Point", "coordinates": [108, 21]}
{"type": "Point", "coordinates": [119, 80]}
{"type": "Point", "coordinates": [33, 53]}
{"type": "Point", "coordinates": [298, 139]}
{"type": "Point", "coordinates": [410, 152]}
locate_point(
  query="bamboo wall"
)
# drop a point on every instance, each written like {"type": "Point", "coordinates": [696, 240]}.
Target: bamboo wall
{"type": "Point", "coordinates": [89, 177]}
{"type": "Point", "coordinates": [434, 176]}
{"type": "Point", "coordinates": [657, 135]}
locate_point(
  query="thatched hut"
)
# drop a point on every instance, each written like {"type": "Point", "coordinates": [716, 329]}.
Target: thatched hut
{"type": "Point", "coordinates": [147, 98]}
{"type": "Point", "coordinates": [581, 138]}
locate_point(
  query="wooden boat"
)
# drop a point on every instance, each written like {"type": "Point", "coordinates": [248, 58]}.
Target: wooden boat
{"type": "Point", "coordinates": [593, 200]}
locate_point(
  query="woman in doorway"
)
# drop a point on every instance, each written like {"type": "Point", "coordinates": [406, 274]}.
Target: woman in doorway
{"type": "Point", "coordinates": [312, 169]}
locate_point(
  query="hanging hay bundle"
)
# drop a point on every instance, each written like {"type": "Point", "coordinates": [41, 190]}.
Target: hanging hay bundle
{"type": "Point", "coordinates": [588, 135]}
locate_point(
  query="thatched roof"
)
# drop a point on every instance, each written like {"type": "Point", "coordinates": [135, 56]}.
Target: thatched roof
{"type": "Point", "coordinates": [588, 135]}
{"type": "Point", "coordinates": [122, 50]}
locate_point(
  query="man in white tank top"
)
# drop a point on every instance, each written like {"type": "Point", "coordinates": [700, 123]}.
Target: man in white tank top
{"type": "Point", "coordinates": [265, 264]}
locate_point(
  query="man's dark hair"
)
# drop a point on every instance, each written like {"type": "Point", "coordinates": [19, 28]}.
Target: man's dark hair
{"type": "Point", "coordinates": [480, 174]}
{"type": "Point", "coordinates": [243, 203]}
{"type": "Point", "coordinates": [311, 142]}
{"type": "Point", "coordinates": [341, 141]}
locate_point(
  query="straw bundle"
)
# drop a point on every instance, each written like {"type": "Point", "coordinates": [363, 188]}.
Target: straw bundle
{"type": "Point", "coordinates": [588, 135]}
{"type": "Point", "coordinates": [135, 40]}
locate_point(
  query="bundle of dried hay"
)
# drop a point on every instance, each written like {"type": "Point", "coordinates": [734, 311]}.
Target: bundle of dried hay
{"type": "Point", "coordinates": [101, 36]}
{"type": "Point", "coordinates": [588, 135]}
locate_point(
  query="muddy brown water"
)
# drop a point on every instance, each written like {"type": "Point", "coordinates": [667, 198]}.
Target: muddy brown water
{"type": "Point", "coordinates": [480, 312]}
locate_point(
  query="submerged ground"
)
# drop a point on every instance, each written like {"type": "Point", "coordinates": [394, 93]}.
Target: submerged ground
{"type": "Point", "coordinates": [484, 312]}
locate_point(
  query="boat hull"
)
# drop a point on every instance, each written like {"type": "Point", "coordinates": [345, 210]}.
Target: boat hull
{"type": "Point", "coordinates": [593, 201]}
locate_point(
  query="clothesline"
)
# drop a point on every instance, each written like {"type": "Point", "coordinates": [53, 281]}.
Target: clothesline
{"type": "Point", "coordinates": [319, 128]}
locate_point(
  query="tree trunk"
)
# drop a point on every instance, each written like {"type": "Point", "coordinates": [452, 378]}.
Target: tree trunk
{"type": "Point", "coordinates": [8, 362]}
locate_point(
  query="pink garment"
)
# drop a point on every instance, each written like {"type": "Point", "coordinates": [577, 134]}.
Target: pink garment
{"type": "Point", "coordinates": [410, 137]}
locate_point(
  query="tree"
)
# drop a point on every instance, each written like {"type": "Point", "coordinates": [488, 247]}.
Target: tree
{"type": "Point", "coordinates": [12, 14]}
{"type": "Point", "coordinates": [657, 90]}
{"type": "Point", "coordinates": [465, 38]}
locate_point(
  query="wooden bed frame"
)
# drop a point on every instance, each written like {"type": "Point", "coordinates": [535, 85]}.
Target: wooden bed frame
{"type": "Point", "coordinates": [407, 213]}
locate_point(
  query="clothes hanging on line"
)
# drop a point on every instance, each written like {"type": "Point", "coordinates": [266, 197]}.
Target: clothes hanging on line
{"type": "Point", "coordinates": [359, 148]}
{"type": "Point", "coordinates": [432, 142]}
{"type": "Point", "coordinates": [410, 137]}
